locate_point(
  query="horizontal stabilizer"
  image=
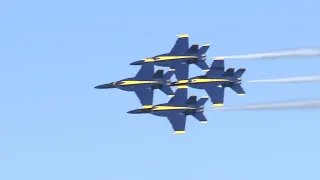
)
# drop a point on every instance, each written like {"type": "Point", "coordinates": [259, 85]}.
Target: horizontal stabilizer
{"type": "Point", "coordinates": [203, 65]}
{"type": "Point", "coordinates": [239, 72]}
{"type": "Point", "coordinates": [168, 74]}
{"type": "Point", "coordinates": [204, 49]}
{"type": "Point", "coordinates": [200, 117]}
{"type": "Point", "coordinates": [238, 89]}
{"type": "Point", "coordinates": [202, 101]}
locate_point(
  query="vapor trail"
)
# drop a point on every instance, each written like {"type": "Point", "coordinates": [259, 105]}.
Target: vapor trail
{"type": "Point", "coordinates": [300, 79]}
{"type": "Point", "coordinates": [305, 52]}
{"type": "Point", "coordinates": [305, 104]}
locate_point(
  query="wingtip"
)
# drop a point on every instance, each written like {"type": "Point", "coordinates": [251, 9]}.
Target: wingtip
{"type": "Point", "coordinates": [171, 95]}
{"type": "Point", "coordinates": [218, 105]}
{"type": "Point", "coordinates": [206, 70]}
{"type": "Point", "coordinates": [172, 69]}
{"type": "Point", "coordinates": [206, 45]}
{"type": "Point", "coordinates": [203, 122]}
{"type": "Point", "coordinates": [182, 35]}
{"type": "Point", "coordinates": [241, 94]}
{"type": "Point", "coordinates": [205, 97]}
{"type": "Point", "coordinates": [219, 58]}
{"type": "Point", "coordinates": [178, 132]}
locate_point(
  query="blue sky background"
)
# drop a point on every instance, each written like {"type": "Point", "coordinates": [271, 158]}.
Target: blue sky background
{"type": "Point", "coordinates": [55, 125]}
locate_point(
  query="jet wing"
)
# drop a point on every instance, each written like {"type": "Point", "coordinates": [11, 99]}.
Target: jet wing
{"type": "Point", "coordinates": [146, 71]}
{"type": "Point", "coordinates": [217, 68]}
{"type": "Point", "coordinates": [181, 46]}
{"type": "Point", "coordinates": [180, 96]}
{"type": "Point", "coordinates": [178, 122]}
{"type": "Point", "coordinates": [145, 96]}
{"type": "Point", "coordinates": [216, 95]}
{"type": "Point", "coordinates": [181, 71]}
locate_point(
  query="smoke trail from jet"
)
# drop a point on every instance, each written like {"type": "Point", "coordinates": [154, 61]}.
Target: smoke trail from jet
{"type": "Point", "coordinates": [303, 104]}
{"type": "Point", "coordinates": [305, 52]}
{"type": "Point", "coordinates": [300, 79]}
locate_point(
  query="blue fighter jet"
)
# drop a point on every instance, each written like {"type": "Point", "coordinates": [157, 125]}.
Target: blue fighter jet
{"type": "Point", "coordinates": [177, 109]}
{"type": "Point", "coordinates": [144, 84]}
{"type": "Point", "coordinates": [215, 80]}
{"type": "Point", "coordinates": [180, 57]}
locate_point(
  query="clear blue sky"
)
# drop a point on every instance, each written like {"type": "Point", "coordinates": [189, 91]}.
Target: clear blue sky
{"type": "Point", "coordinates": [55, 125]}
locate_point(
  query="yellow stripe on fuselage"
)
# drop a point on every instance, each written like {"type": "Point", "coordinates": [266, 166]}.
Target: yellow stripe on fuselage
{"type": "Point", "coordinates": [194, 81]}
{"type": "Point", "coordinates": [167, 58]}
{"type": "Point", "coordinates": [164, 108]}
{"type": "Point", "coordinates": [128, 83]}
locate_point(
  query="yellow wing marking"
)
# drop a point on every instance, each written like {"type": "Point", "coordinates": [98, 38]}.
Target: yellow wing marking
{"type": "Point", "coordinates": [182, 35]}
{"type": "Point", "coordinates": [178, 132]}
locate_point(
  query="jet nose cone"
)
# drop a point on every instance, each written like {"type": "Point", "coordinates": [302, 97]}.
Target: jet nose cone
{"type": "Point", "coordinates": [105, 86]}
{"type": "Point", "coordinates": [137, 62]}
{"type": "Point", "coordinates": [132, 112]}
{"type": "Point", "coordinates": [140, 111]}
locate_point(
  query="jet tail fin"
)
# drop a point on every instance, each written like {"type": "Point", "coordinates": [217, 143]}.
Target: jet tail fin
{"type": "Point", "coordinates": [203, 65]}
{"type": "Point", "coordinates": [192, 100]}
{"type": "Point", "coordinates": [158, 74]}
{"type": "Point", "coordinates": [168, 74]}
{"type": "Point", "coordinates": [200, 117]}
{"type": "Point", "coordinates": [229, 72]}
{"type": "Point", "coordinates": [239, 72]}
{"type": "Point", "coordinates": [193, 49]}
{"type": "Point", "coordinates": [238, 89]}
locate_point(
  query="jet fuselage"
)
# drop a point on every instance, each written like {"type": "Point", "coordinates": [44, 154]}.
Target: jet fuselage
{"type": "Point", "coordinates": [164, 110]}
{"type": "Point", "coordinates": [168, 60]}
{"type": "Point", "coordinates": [130, 84]}
{"type": "Point", "coordinates": [202, 82]}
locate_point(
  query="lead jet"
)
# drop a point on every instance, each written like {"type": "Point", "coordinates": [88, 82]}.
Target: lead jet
{"type": "Point", "coordinates": [215, 80]}
{"type": "Point", "coordinates": [177, 109]}
{"type": "Point", "coordinates": [180, 57]}
{"type": "Point", "coordinates": [144, 83]}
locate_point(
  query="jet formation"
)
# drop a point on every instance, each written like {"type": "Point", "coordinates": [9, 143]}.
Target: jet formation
{"type": "Point", "coordinates": [214, 81]}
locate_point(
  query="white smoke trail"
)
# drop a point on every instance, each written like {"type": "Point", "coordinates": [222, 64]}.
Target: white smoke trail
{"type": "Point", "coordinates": [305, 52]}
{"type": "Point", "coordinates": [300, 79]}
{"type": "Point", "coordinates": [305, 104]}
